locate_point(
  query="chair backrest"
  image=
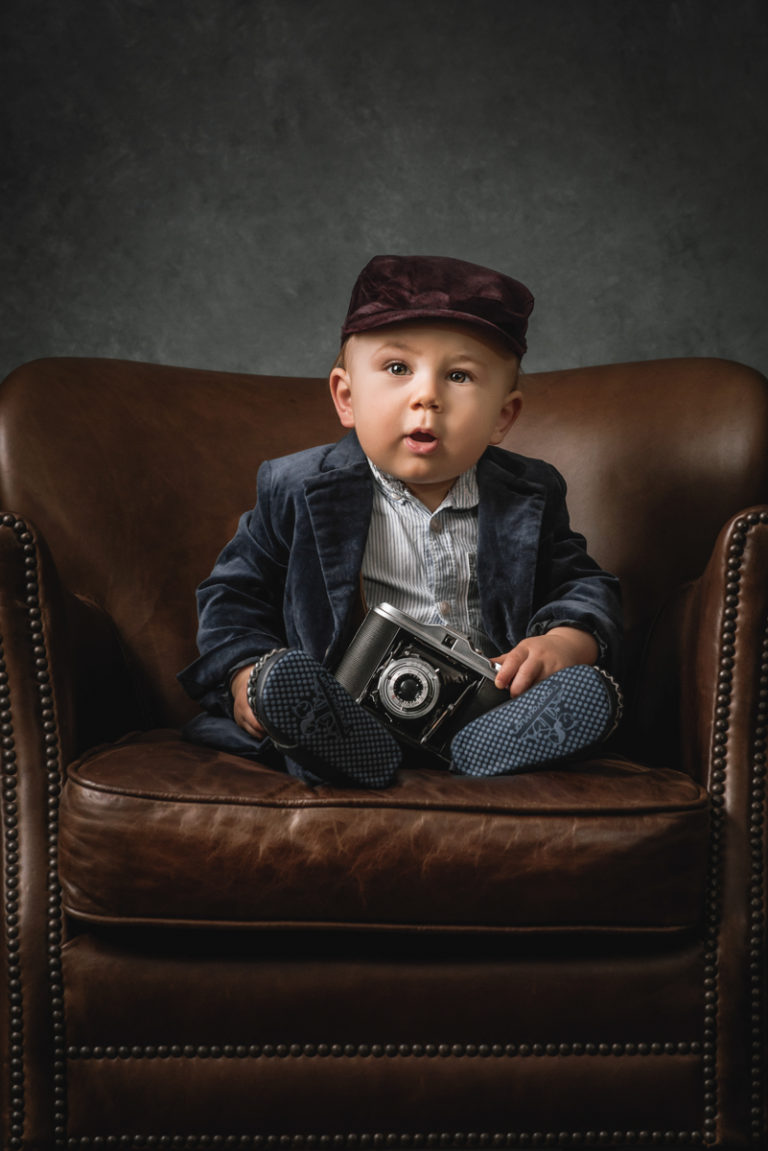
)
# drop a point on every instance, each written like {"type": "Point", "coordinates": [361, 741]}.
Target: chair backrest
{"type": "Point", "coordinates": [136, 475]}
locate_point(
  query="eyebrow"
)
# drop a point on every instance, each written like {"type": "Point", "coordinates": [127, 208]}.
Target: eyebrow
{"type": "Point", "coordinates": [403, 346]}
{"type": "Point", "coordinates": [396, 345]}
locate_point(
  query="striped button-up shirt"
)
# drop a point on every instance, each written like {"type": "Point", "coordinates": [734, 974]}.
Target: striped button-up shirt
{"type": "Point", "coordinates": [423, 562]}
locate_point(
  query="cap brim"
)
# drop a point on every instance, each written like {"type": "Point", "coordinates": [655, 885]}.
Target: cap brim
{"type": "Point", "coordinates": [377, 320]}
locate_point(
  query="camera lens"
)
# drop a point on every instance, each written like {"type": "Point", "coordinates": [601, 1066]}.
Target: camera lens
{"type": "Point", "coordinates": [409, 688]}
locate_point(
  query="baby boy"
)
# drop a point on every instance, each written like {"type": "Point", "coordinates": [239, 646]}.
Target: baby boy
{"type": "Point", "coordinates": [419, 508]}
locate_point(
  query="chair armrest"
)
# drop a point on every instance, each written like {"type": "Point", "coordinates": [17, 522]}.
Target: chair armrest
{"type": "Point", "coordinates": [37, 717]}
{"type": "Point", "coordinates": [96, 698]}
{"type": "Point", "coordinates": [724, 723]}
{"type": "Point", "coordinates": [61, 671]}
{"type": "Point", "coordinates": [724, 654]}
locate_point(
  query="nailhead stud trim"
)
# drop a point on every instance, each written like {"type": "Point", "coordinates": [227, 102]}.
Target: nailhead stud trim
{"type": "Point", "coordinates": [757, 956]}
{"type": "Point", "coordinates": [460, 1140]}
{"type": "Point", "coordinates": [11, 846]}
{"type": "Point", "coordinates": [11, 903]}
{"type": "Point", "coordinates": [719, 750]}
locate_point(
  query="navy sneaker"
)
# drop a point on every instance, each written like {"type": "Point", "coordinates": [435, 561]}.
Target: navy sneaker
{"type": "Point", "coordinates": [557, 717]}
{"type": "Point", "coordinates": [308, 714]}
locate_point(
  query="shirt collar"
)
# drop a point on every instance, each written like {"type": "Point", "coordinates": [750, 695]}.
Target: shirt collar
{"type": "Point", "coordinates": [464, 493]}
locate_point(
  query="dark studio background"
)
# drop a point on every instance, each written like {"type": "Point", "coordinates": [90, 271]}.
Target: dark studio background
{"type": "Point", "coordinates": [200, 183]}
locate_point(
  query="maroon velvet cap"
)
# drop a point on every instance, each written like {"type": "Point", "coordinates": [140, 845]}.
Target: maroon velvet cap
{"type": "Point", "coordinates": [393, 289]}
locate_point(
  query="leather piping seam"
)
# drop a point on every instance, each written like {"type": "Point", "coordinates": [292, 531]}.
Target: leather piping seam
{"type": "Point", "coordinates": [682, 807]}
{"type": "Point", "coordinates": [638, 930]}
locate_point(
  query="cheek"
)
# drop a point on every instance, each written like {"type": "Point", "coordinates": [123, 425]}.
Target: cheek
{"type": "Point", "coordinates": [477, 413]}
{"type": "Point", "coordinates": [373, 424]}
{"type": "Point", "coordinates": [379, 409]}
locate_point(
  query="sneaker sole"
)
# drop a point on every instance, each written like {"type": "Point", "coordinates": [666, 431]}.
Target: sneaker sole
{"type": "Point", "coordinates": [563, 714]}
{"type": "Point", "coordinates": [308, 713]}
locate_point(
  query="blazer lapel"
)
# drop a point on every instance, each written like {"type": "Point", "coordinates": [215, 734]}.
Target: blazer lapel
{"type": "Point", "coordinates": [340, 501]}
{"type": "Point", "coordinates": [509, 532]}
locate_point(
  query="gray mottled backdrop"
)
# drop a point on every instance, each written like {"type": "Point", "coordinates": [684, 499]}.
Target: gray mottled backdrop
{"type": "Point", "coordinates": [199, 183]}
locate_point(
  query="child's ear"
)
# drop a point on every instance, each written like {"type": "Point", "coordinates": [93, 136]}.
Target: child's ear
{"type": "Point", "coordinates": [341, 394]}
{"type": "Point", "coordinates": [507, 416]}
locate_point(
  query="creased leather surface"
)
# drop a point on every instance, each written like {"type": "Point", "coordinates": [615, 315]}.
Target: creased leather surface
{"type": "Point", "coordinates": [322, 1097]}
{"type": "Point", "coordinates": [158, 830]}
{"type": "Point", "coordinates": [354, 988]}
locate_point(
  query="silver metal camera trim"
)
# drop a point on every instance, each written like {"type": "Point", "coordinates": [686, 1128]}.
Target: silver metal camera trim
{"type": "Point", "coordinates": [436, 634]}
{"type": "Point", "coordinates": [422, 670]}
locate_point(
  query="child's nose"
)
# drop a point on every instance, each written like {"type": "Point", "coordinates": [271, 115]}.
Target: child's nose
{"type": "Point", "coordinates": [426, 392]}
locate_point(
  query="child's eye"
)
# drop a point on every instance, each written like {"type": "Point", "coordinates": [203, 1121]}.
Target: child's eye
{"type": "Point", "coordinates": [458, 377]}
{"type": "Point", "coordinates": [397, 368]}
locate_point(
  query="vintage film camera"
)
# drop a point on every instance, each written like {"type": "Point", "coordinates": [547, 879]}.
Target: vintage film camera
{"type": "Point", "coordinates": [423, 680]}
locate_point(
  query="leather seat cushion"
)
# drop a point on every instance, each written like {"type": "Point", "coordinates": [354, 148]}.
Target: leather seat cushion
{"type": "Point", "coordinates": [156, 830]}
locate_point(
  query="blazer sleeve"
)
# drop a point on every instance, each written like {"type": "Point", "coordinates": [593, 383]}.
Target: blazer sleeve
{"type": "Point", "coordinates": [240, 603]}
{"type": "Point", "coordinates": [571, 588]}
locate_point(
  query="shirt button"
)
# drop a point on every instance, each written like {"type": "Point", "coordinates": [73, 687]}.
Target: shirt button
{"type": "Point", "coordinates": [435, 525]}
{"type": "Point", "coordinates": [444, 607]}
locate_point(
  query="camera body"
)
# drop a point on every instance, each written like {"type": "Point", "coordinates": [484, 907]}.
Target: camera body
{"type": "Point", "coordinates": [424, 681]}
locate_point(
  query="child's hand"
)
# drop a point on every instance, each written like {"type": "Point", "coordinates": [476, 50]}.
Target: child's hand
{"type": "Point", "coordinates": [244, 717]}
{"type": "Point", "coordinates": [540, 656]}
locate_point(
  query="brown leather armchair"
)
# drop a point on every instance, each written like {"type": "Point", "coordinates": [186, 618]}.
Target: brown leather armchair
{"type": "Point", "coordinates": [199, 952]}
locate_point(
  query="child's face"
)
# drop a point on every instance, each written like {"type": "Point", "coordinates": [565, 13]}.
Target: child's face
{"type": "Point", "coordinates": [426, 400]}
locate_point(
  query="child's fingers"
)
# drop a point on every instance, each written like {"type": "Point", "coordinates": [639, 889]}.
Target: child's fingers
{"type": "Point", "coordinates": [244, 717]}
{"type": "Point", "coordinates": [520, 669]}
{"type": "Point", "coordinates": [248, 721]}
{"type": "Point", "coordinates": [509, 665]}
{"type": "Point", "coordinates": [531, 670]}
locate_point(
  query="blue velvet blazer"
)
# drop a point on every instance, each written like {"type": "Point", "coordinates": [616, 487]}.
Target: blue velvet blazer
{"type": "Point", "coordinates": [291, 574]}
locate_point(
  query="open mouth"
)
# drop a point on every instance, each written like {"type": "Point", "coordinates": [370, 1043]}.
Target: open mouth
{"type": "Point", "coordinates": [421, 442]}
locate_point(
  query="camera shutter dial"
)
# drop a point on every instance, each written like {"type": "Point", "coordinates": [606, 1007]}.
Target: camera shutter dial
{"type": "Point", "coordinates": [409, 687]}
